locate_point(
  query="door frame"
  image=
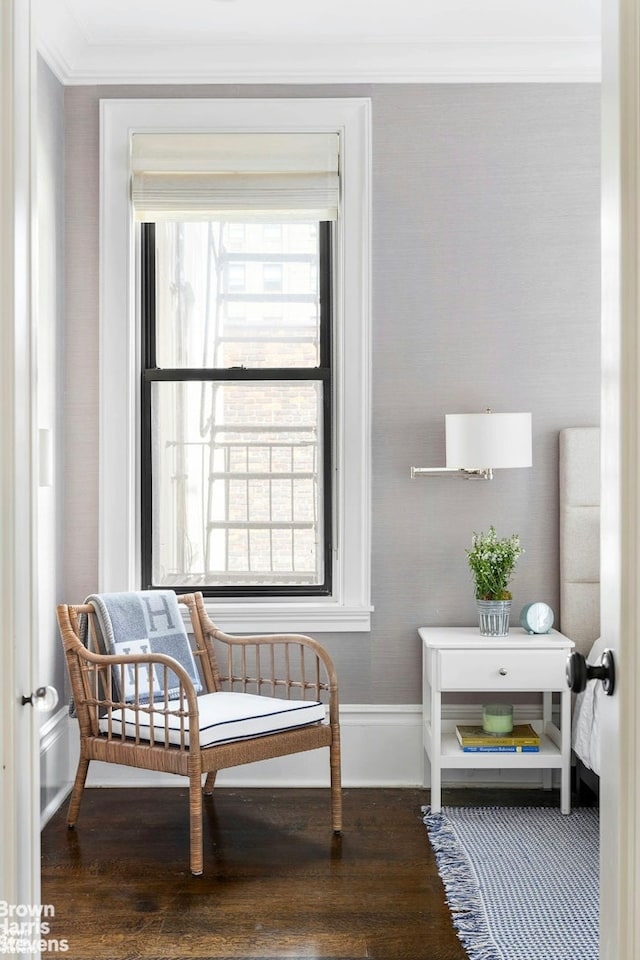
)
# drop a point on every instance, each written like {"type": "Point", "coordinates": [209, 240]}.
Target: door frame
{"type": "Point", "coordinates": [19, 743]}
{"type": "Point", "coordinates": [620, 509]}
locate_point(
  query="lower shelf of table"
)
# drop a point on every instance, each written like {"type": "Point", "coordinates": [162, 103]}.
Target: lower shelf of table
{"type": "Point", "coordinates": [452, 755]}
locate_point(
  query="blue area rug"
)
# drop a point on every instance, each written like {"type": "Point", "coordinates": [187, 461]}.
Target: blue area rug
{"type": "Point", "coordinates": [521, 882]}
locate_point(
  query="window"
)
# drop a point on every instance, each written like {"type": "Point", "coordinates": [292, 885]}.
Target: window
{"type": "Point", "coordinates": [272, 278]}
{"type": "Point", "coordinates": [272, 233]}
{"type": "Point", "coordinates": [342, 602]}
{"type": "Point", "coordinates": [236, 420]}
{"type": "Point", "coordinates": [236, 277]}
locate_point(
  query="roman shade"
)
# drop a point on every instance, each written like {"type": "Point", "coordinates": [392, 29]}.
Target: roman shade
{"type": "Point", "coordinates": [218, 176]}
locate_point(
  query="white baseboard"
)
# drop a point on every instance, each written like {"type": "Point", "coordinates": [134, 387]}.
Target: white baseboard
{"type": "Point", "coordinates": [381, 747]}
{"type": "Point", "coordinates": [55, 776]}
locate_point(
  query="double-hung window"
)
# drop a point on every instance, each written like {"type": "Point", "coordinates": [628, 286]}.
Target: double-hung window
{"type": "Point", "coordinates": [236, 398]}
{"type": "Point", "coordinates": [236, 411]}
{"type": "Point", "coordinates": [235, 357]}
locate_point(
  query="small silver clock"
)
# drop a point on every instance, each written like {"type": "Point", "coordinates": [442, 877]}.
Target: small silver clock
{"type": "Point", "coordinates": [536, 617]}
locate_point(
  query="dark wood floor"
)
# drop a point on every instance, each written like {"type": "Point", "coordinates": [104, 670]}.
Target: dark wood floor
{"type": "Point", "coordinates": [276, 883]}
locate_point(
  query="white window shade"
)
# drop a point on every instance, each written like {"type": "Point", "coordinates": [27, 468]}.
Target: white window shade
{"type": "Point", "coordinates": [235, 175]}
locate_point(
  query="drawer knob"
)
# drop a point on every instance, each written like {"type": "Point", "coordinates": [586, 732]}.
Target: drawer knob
{"type": "Point", "coordinates": [502, 671]}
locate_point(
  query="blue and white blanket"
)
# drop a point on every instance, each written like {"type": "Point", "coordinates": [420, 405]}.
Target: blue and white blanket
{"type": "Point", "coordinates": [148, 621]}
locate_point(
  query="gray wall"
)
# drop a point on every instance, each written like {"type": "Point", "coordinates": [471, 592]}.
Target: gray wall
{"type": "Point", "coordinates": [486, 265]}
{"type": "Point", "coordinates": [49, 392]}
{"type": "Point", "coordinates": [50, 215]}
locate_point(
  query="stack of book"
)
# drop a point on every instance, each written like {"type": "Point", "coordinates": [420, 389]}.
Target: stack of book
{"type": "Point", "coordinates": [522, 739]}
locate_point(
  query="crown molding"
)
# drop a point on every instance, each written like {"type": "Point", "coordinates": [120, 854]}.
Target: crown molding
{"type": "Point", "coordinates": [77, 62]}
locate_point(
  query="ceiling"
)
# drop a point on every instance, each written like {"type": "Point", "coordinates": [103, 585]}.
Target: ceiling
{"type": "Point", "coordinates": [240, 41]}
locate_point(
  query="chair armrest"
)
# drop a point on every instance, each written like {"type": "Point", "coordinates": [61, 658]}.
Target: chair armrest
{"type": "Point", "coordinates": [106, 660]}
{"type": "Point", "coordinates": [92, 683]}
{"type": "Point", "coordinates": [273, 664]}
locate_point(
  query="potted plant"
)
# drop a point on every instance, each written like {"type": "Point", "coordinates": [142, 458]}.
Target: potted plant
{"type": "Point", "coordinates": [492, 563]}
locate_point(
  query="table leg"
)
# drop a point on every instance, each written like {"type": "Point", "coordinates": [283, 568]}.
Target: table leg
{"type": "Point", "coordinates": [436, 751]}
{"type": "Point", "coordinates": [565, 739]}
{"type": "Point", "coordinates": [547, 717]}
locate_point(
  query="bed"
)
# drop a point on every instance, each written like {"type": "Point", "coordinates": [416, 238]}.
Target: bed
{"type": "Point", "coordinates": [579, 487]}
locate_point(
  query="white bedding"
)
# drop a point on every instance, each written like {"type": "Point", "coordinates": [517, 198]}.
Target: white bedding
{"type": "Point", "coordinates": [586, 721]}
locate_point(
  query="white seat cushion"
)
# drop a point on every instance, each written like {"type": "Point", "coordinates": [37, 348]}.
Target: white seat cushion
{"type": "Point", "coordinates": [224, 717]}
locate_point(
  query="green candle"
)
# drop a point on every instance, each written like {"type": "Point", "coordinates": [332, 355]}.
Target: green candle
{"type": "Point", "coordinates": [497, 718]}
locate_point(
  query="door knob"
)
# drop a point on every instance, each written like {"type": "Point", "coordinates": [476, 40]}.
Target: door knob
{"type": "Point", "coordinates": [44, 699]}
{"type": "Point", "coordinates": [579, 672]}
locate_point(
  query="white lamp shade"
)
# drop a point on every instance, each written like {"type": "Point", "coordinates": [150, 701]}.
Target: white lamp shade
{"type": "Point", "coordinates": [479, 441]}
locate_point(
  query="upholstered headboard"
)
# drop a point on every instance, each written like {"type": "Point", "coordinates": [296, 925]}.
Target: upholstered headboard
{"type": "Point", "coordinates": [580, 535]}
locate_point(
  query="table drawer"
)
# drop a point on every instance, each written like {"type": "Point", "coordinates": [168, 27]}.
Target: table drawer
{"type": "Point", "coordinates": [495, 669]}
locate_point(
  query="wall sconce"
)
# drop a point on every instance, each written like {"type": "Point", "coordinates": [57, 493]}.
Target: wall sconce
{"type": "Point", "coordinates": [479, 443]}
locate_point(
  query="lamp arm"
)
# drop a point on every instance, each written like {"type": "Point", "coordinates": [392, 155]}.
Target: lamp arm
{"type": "Point", "coordinates": [461, 472]}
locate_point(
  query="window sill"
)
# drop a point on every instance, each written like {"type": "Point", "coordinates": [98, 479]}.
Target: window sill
{"type": "Point", "coordinates": [290, 616]}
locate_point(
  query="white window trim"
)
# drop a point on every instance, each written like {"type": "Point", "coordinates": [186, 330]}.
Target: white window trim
{"type": "Point", "coordinates": [349, 608]}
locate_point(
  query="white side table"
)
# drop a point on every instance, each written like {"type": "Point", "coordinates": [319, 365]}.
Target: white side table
{"type": "Point", "coordinates": [460, 659]}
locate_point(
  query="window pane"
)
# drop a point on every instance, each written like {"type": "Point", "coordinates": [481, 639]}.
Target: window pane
{"type": "Point", "coordinates": [238, 490]}
{"type": "Point", "coordinates": [237, 294]}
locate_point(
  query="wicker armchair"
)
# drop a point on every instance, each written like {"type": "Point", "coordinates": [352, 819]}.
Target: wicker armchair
{"type": "Point", "coordinates": [180, 734]}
